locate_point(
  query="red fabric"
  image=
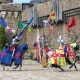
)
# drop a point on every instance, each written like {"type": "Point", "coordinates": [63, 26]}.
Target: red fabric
{"type": "Point", "coordinates": [71, 54]}
{"type": "Point", "coordinates": [51, 28]}
{"type": "Point", "coordinates": [47, 50]}
{"type": "Point", "coordinates": [72, 24]}
{"type": "Point", "coordinates": [61, 55]}
{"type": "Point", "coordinates": [12, 48]}
{"type": "Point", "coordinates": [37, 51]}
{"type": "Point", "coordinates": [18, 55]}
{"type": "Point", "coordinates": [52, 14]}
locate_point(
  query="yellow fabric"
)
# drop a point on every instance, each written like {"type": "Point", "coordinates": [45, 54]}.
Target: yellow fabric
{"type": "Point", "coordinates": [59, 51]}
{"type": "Point", "coordinates": [51, 61]}
{"type": "Point", "coordinates": [53, 17]}
{"type": "Point", "coordinates": [73, 45]}
{"type": "Point", "coordinates": [61, 61]}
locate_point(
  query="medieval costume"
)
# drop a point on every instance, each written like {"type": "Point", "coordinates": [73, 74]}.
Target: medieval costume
{"type": "Point", "coordinates": [14, 44]}
{"type": "Point", "coordinates": [70, 56]}
{"type": "Point", "coordinates": [6, 57]}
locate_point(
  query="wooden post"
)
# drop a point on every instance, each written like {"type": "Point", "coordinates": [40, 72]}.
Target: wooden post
{"type": "Point", "coordinates": [44, 60]}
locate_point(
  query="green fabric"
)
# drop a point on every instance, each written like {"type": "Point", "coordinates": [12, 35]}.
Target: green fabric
{"type": "Point", "coordinates": [30, 29]}
{"type": "Point", "coordinates": [20, 25]}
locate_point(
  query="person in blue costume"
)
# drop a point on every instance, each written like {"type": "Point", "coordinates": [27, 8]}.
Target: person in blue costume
{"type": "Point", "coordinates": [6, 58]}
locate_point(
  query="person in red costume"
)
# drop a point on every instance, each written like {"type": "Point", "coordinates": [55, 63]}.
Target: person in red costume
{"type": "Point", "coordinates": [70, 55]}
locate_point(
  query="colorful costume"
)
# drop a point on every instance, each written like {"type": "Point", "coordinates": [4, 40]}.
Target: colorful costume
{"type": "Point", "coordinates": [69, 53]}
{"type": "Point", "coordinates": [19, 53]}
{"type": "Point", "coordinates": [58, 57]}
{"type": "Point", "coordinates": [14, 44]}
{"type": "Point", "coordinates": [6, 57]}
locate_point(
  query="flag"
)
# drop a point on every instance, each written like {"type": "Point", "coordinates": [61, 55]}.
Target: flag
{"type": "Point", "coordinates": [30, 29]}
{"type": "Point", "coordinates": [71, 24]}
{"type": "Point", "coordinates": [38, 46]}
{"type": "Point", "coordinates": [52, 16]}
{"type": "Point", "coordinates": [51, 28]}
{"type": "Point", "coordinates": [5, 26]}
{"type": "Point", "coordinates": [20, 25]}
{"type": "Point", "coordinates": [3, 23]}
{"type": "Point", "coordinates": [25, 27]}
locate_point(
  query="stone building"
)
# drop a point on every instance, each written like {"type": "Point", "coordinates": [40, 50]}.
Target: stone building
{"type": "Point", "coordinates": [41, 12]}
{"type": "Point", "coordinates": [14, 12]}
{"type": "Point", "coordinates": [6, 1]}
{"type": "Point", "coordinates": [38, 1]}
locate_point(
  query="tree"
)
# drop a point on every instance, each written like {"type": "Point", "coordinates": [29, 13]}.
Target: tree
{"type": "Point", "coordinates": [2, 37]}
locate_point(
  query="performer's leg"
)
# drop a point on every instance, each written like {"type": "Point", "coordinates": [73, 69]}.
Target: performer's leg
{"type": "Point", "coordinates": [17, 66]}
{"type": "Point", "coordinates": [71, 66]}
{"type": "Point", "coordinates": [75, 67]}
{"type": "Point", "coordinates": [60, 67]}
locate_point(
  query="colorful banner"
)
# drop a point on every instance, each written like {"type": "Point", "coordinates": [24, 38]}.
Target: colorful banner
{"type": "Point", "coordinates": [38, 46]}
{"type": "Point", "coordinates": [25, 27]}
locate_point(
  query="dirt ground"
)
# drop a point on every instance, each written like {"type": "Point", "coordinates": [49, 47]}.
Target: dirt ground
{"type": "Point", "coordinates": [32, 70]}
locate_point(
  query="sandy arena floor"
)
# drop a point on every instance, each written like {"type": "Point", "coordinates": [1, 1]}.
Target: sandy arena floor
{"type": "Point", "coordinates": [32, 70]}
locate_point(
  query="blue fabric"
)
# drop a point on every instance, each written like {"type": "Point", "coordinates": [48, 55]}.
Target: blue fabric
{"type": "Point", "coordinates": [3, 22]}
{"type": "Point", "coordinates": [3, 56]}
{"type": "Point", "coordinates": [8, 60]}
{"type": "Point", "coordinates": [18, 57]}
{"type": "Point", "coordinates": [19, 53]}
{"type": "Point", "coordinates": [65, 50]}
{"type": "Point", "coordinates": [6, 57]}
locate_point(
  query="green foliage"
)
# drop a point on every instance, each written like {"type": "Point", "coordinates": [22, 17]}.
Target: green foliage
{"type": "Point", "coordinates": [2, 37]}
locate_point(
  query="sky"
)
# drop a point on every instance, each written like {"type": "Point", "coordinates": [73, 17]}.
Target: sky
{"type": "Point", "coordinates": [21, 1]}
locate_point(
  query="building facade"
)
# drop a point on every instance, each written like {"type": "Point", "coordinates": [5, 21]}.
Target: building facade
{"type": "Point", "coordinates": [38, 1]}
{"type": "Point", "coordinates": [40, 9]}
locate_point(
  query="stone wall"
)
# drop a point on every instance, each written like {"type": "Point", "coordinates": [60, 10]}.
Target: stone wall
{"type": "Point", "coordinates": [12, 13]}
{"type": "Point", "coordinates": [41, 9]}
{"type": "Point", "coordinates": [4, 1]}
{"type": "Point", "coordinates": [70, 4]}
{"type": "Point", "coordinates": [10, 7]}
{"type": "Point", "coordinates": [44, 9]}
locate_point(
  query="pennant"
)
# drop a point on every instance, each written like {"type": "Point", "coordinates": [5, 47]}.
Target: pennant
{"type": "Point", "coordinates": [20, 25]}
{"type": "Point", "coordinates": [71, 24]}
{"type": "Point", "coordinates": [3, 23]}
{"type": "Point", "coordinates": [25, 27]}
{"type": "Point", "coordinates": [38, 46]}
{"type": "Point", "coordinates": [52, 16]}
{"type": "Point", "coordinates": [51, 28]}
{"type": "Point", "coordinates": [30, 29]}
